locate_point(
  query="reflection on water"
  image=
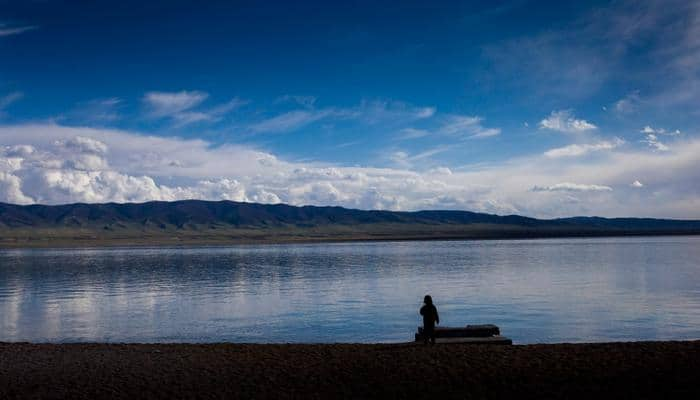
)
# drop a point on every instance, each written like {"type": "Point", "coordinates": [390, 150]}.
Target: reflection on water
{"type": "Point", "coordinates": [535, 290]}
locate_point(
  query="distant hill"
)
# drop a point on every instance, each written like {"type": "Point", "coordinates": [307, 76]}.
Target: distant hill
{"type": "Point", "coordinates": [220, 222]}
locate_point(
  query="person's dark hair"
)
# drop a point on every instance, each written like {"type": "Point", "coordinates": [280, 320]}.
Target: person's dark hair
{"type": "Point", "coordinates": [427, 299]}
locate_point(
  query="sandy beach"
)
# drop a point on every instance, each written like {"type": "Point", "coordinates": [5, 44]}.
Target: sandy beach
{"type": "Point", "coordinates": [127, 371]}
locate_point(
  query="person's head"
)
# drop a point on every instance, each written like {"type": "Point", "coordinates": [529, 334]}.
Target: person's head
{"type": "Point", "coordinates": [427, 299]}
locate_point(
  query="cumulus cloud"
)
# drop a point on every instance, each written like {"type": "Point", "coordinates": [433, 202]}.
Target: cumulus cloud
{"type": "Point", "coordinates": [81, 144]}
{"type": "Point", "coordinates": [571, 187]}
{"type": "Point", "coordinates": [651, 137]}
{"type": "Point", "coordinates": [575, 150]}
{"type": "Point", "coordinates": [11, 191]}
{"type": "Point", "coordinates": [564, 121]}
{"type": "Point", "coordinates": [637, 184]}
{"type": "Point", "coordinates": [57, 164]}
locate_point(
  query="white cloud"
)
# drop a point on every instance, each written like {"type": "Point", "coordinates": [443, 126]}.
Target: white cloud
{"type": "Point", "coordinates": [400, 158]}
{"type": "Point", "coordinates": [390, 113]}
{"type": "Point", "coordinates": [651, 137]}
{"type": "Point", "coordinates": [377, 111]}
{"type": "Point", "coordinates": [412, 133]}
{"type": "Point", "coordinates": [571, 187]}
{"type": "Point", "coordinates": [56, 164]}
{"type": "Point", "coordinates": [221, 109]}
{"type": "Point", "coordinates": [653, 141]}
{"type": "Point", "coordinates": [425, 112]}
{"type": "Point", "coordinates": [182, 106]}
{"type": "Point", "coordinates": [659, 131]}
{"type": "Point", "coordinates": [484, 133]}
{"type": "Point", "coordinates": [405, 160]}
{"type": "Point", "coordinates": [549, 64]}
{"type": "Point", "coordinates": [637, 184]}
{"type": "Point", "coordinates": [97, 110]}
{"type": "Point", "coordinates": [628, 104]}
{"type": "Point", "coordinates": [9, 31]}
{"type": "Point", "coordinates": [466, 127]}
{"type": "Point", "coordinates": [304, 101]}
{"type": "Point", "coordinates": [368, 112]}
{"type": "Point", "coordinates": [291, 120]}
{"type": "Point", "coordinates": [455, 126]}
{"type": "Point", "coordinates": [575, 150]}
{"type": "Point", "coordinates": [80, 144]}
{"type": "Point", "coordinates": [163, 104]}
{"type": "Point", "coordinates": [564, 121]}
{"type": "Point", "coordinates": [11, 191]}
{"type": "Point", "coordinates": [578, 59]}
{"type": "Point", "coordinates": [8, 99]}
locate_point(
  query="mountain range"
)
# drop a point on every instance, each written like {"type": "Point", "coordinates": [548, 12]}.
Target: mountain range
{"type": "Point", "coordinates": [222, 222]}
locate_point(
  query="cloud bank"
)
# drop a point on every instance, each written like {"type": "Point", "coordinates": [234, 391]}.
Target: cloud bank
{"type": "Point", "coordinates": [51, 164]}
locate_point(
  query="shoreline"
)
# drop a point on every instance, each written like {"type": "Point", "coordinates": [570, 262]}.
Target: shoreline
{"type": "Point", "coordinates": [77, 243]}
{"type": "Point", "coordinates": [224, 370]}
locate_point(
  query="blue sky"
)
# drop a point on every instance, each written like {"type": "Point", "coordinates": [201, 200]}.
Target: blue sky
{"type": "Point", "coordinates": [530, 107]}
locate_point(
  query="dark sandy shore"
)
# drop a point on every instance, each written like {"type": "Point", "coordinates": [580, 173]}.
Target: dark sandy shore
{"type": "Point", "coordinates": [611, 370]}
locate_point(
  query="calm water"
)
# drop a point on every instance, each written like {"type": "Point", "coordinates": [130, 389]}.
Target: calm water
{"type": "Point", "coordinates": [535, 290]}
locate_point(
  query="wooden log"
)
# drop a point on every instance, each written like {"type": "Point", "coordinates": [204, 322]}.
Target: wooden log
{"type": "Point", "coordinates": [502, 340]}
{"type": "Point", "coordinates": [498, 339]}
{"type": "Point", "coordinates": [486, 330]}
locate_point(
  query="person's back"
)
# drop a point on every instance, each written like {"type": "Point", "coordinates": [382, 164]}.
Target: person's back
{"type": "Point", "coordinates": [429, 313]}
{"type": "Point", "coordinates": [430, 318]}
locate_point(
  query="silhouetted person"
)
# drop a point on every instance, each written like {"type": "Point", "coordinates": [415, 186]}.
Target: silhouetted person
{"type": "Point", "coordinates": [430, 318]}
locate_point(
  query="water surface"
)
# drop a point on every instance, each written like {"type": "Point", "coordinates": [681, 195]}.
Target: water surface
{"type": "Point", "coordinates": [552, 290]}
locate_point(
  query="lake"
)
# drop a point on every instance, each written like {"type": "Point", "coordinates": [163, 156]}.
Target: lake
{"type": "Point", "coordinates": [549, 290]}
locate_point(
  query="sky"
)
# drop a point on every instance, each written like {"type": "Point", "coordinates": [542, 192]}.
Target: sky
{"type": "Point", "coordinates": [545, 109]}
